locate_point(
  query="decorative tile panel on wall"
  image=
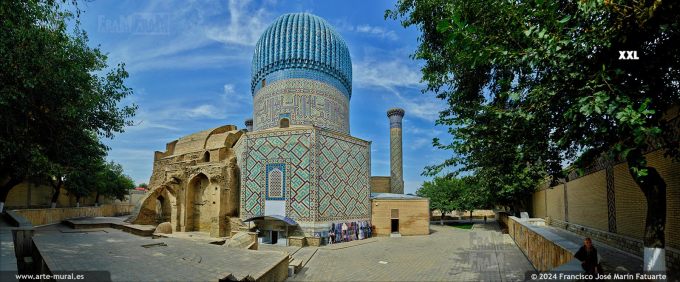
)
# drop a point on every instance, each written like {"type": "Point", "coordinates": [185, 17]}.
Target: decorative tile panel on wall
{"type": "Point", "coordinates": [344, 173]}
{"type": "Point", "coordinates": [291, 147]}
{"type": "Point", "coordinates": [306, 101]}
{"type": "Point", "coordinates": [276, 181]}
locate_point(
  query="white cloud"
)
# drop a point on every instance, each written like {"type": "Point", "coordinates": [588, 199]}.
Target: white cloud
{"type": "Point", "coordinates": [192, 27]}
{"type": "Point", "coordinates": [236, 102]}
{"type": "Point", "coordinates": [245, 26]}
{"type": "Point", "coordinates": [386, 74]}
{"type": "Point", "coordinates": [377, 31]}
{"type": "Point", "coordinates": [395, 75]}
{"type": "Point", "coordinates": [228, 89]}
{"type": "Point", "coordinates": [205, 111]}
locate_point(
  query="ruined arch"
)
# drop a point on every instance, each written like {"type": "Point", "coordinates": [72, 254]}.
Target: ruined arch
{"type": "Point", "coordinates": [157, 206]}
{"type": "Point", "coordinates": [197, 203]}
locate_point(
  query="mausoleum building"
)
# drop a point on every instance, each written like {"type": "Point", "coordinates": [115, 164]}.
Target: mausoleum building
{"type": "Point", "coordinates": [296, 167]}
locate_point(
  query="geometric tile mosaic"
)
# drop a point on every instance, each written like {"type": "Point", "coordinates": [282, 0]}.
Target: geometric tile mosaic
{"type": "Point", "coordinates": [258, 152]}
{"type": "Point", "coordinates": [344, 173]}
{"type": "Point", "coordinates": [276, 186]}
{"type": "Point", "coordinates": [340, 192]}
{"type": "Point", "coordinates": [303, 102]}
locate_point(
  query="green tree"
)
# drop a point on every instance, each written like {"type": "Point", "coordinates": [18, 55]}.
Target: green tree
{"type": "Point", "coordinates": [447, 194]}
{"type": "Point", "coordinates": [532, 84]}
{"type": "Point", "coordinates": [441, 192]}
{"type": "Point", "coordinates": [470, 196]}
{"type": "Point", "coordinates": [54, 91]}
{"type": "Point", "coordinates": [88, 152]}
{"type": "Point", "coordinates": [112, 182]}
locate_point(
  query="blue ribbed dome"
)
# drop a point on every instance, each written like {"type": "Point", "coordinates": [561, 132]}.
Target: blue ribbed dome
{"type": "Point", "coordinates": [302, 41]}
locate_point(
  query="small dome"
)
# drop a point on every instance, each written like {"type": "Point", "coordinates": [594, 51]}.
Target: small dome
{"type": "Point", "coordinates": [302, 40]}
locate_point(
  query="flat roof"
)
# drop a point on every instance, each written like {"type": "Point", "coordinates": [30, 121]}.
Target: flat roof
{"type": "Point", "coordinates": [394, 196]}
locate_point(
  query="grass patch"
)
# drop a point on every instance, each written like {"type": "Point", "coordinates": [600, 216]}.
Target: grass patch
{"type": "Point", "coordinates": [461, 225]}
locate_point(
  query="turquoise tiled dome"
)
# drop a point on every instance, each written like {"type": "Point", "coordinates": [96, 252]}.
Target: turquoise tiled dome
{"type": "Point", "coordinates": [306, 45]}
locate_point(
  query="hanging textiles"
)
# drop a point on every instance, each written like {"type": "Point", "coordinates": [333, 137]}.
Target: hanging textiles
{"type": "Point", "coordinates": [361, 230]}
{"type": "Point", "coordinates": [339, 232]}
{"type": "Point", "coordinates": [331, 234]}
{"type": "Point", "coordinates": [345, 233]}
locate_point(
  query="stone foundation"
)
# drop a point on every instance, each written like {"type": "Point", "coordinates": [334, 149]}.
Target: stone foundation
{"type": "Point", "coordinates": [297, 241]}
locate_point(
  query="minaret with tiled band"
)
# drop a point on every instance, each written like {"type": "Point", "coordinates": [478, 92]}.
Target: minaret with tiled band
{"type": "Point", "coordinates": [396, 164]}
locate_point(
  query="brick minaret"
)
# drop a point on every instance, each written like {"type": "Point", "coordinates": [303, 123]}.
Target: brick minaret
{"type": "Point", "coordinates": [396, 166]}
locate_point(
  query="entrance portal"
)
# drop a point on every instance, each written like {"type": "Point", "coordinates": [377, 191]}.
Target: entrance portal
{"type": "Point", "coordinates": [272, 228]}
{"type": "Point", "coordinates": [395, 220]}
{"type": "Point", "coordinates": [395, 225]}
{"type": "Point", "coordinates": [275, 237]}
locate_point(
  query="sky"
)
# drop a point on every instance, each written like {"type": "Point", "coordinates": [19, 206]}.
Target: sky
{"type": "Point", "coordinates": [189, 65]}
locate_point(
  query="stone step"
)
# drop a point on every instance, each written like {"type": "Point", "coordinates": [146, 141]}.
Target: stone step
{"type": "Point", "coordinates": [296, 264]}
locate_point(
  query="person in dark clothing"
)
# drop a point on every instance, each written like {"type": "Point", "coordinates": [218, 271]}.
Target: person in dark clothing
{"type": "Point", "coordinates": [587, 254]}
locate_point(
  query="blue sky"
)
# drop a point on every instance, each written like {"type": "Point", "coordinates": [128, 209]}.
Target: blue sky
{"type": "Point", "coordinates": [189, 65]}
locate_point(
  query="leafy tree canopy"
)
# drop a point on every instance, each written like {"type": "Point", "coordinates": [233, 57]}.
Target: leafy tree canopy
{"type": "Point", "coordinates": [532, 84]}
{"type": "Point", "coordinates": [57, 94]}
{"type": "Point", "coordinates": [448, 194]}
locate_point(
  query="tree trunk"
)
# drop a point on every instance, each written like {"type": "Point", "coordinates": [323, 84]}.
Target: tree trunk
{"type": "Point", "coordinates": [96, 200]}
{"type": "Point", "coordinates": [6, 187]}
{"type": "Point", "coordinates": [470, 215]}
{"type": "Point", "coordinates": [57, 191]}
{"type": "Point", "coordinates": [653, 187]}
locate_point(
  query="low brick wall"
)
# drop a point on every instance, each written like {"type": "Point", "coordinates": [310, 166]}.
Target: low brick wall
{"type": "Point", "coordinates": [297, 241]}
{"type": "Point", "coordinates": [543, 253]}
{"type": "Point", "coordinates": [49, 216]}
{"type": "Point", "coordinates": [625, 243]}
{"type": "Point", "coordinates": [313, 241]}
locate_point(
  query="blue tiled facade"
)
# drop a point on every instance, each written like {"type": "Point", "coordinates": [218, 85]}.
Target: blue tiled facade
{"type": "Point", "coordinates": [289, 73]}
{"type": "Point", "coordinates": [302, 72]}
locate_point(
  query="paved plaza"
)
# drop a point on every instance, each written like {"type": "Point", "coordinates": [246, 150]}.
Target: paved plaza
{"type": "Point", "coordinates": [448, 254]}
{"type": "Point", "coordinates": [130, 257]}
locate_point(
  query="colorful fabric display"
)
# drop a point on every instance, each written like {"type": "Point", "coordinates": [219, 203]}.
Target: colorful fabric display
{"type": "Point", "coordinates": [356, 231]}
{"type": "Point", "coordinates": [331, 234]}
{"type": "Point", "coordinates": [345, 234]}
{"type": "Point", "coordinates": [361, 230]}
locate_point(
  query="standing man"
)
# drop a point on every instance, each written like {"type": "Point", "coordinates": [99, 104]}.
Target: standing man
{"type": "Point", "coordinates": [587, 254]}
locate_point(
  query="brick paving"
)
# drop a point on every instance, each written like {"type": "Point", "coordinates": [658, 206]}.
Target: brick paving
{"type": "Point", "coordinates": [449, 253]}
{"type": "Point", "coordinates": [123, 255]}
